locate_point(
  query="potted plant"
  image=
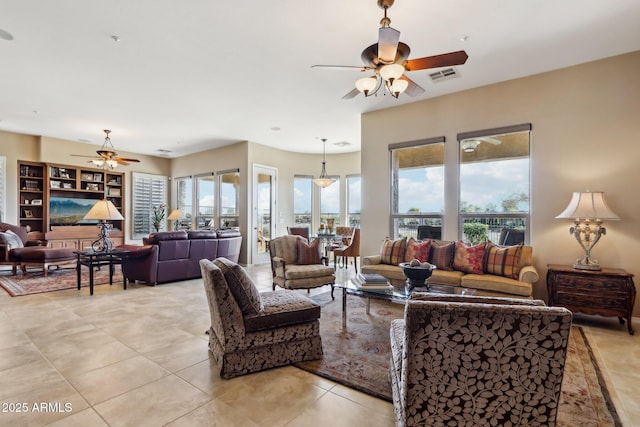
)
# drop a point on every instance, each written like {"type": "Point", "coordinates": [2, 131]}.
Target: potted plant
{"type": "Point", "coordinates": [157, 216]}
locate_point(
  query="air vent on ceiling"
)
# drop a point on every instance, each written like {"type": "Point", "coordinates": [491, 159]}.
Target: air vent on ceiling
{"type": "Point", "coordinates": [341, 143]}
{"type": "Point", "coordinates": [446, 74]}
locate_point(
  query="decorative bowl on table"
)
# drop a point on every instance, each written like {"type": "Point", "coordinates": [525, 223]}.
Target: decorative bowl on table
{"type": "Point", "coordinates": [417, 273]}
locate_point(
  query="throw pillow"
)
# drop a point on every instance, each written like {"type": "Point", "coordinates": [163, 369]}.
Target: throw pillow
{"type": "Point", "coordinates": [469, 259]}
{"type": "Point", "coordinates": [503, 260]}
{"type": "Point", "coordinates": [241, 286]}
{"type": "Point", "coordinates": [11, 239]}
{"type": "Point", "coordinates": [392, 251]}
{"type": "Point", "coordinates": [417, 250]}
{"type": "Point", "coordinates": [442, 255]}
{"type": "Point", "coordinates": [308, 253]}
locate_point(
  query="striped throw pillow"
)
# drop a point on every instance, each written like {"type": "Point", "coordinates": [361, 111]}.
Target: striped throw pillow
{"type": "Point", "coordinates": [442, 255]}
{"type": "Point", "coordinates": [308, 253]}
{"type": "Point", "coordinates": [503, 260]}
{"type": "Point", "coordinates": [393, 251]}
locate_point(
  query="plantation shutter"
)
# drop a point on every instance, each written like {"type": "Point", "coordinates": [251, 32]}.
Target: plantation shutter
{"type": "Point", "coordinates": [148, 191]}
{"type": "Point", "coordinates": [3, 190]}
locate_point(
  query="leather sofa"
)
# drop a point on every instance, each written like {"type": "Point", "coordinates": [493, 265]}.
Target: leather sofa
{"type": "Point", "coordinates": [170, 256]}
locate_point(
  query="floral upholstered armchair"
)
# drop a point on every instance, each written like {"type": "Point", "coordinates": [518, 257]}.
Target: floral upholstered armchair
{"type": "Point", "coordinates": [252, 331]}
{"type": "Point", "coordinates": [478, 361]}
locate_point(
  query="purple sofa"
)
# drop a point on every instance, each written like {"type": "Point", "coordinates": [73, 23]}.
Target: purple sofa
{"type": "Point", "coordinates": [170, 256]}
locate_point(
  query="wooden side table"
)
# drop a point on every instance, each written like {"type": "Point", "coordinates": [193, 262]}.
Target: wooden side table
{"type": "Point", "coordinates": [606, 292]}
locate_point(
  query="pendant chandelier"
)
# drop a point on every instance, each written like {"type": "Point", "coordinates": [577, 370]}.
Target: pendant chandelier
{"type": "Point", "coordinates": [323, 180]}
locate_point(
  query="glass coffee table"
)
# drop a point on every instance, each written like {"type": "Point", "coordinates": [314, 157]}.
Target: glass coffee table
{"type": "Point", "coordinates": [399, 294]}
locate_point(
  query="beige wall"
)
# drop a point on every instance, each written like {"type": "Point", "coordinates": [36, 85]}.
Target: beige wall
{"type": "Point", "coordinates": [52, 150]}
{"type": "Point", "coordinates": [243, 156]}
{"type": "Point", "coordinates": [585, 136]}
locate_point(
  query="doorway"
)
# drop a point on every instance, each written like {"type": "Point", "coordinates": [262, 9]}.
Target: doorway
{"type": "Point", "coordinates": [264, 209]}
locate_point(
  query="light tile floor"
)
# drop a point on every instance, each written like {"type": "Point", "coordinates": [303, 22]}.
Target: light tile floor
{"type": "Point", "coordinates": [139, 358]}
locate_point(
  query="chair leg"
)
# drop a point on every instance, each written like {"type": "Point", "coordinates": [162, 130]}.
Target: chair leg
{"type": "Point", "coordinates": [274, 286]}
{"type": "Point", "coordinates": [355, 263]}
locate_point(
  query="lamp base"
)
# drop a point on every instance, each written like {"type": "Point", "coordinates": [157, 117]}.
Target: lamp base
{"type": "Point", "coordinates": [587, 264]}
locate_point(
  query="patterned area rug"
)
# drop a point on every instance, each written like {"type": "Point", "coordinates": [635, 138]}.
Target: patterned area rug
{"type": "Point", "coordinates": [57, 279]}
{"type": "Point", "coordinates": [358, 357]}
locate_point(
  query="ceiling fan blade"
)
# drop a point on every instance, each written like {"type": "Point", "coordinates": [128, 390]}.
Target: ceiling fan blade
{"type": "Point", "coordinates": [413, 89]}
{"type": "Point", "coordinates": [437, 61]}
{"type": "Point", "coordinates": [388, 39]}
{"type": "Point", "coordinates": [351, 94]}
{"type": "Point", "coordinates": [358, 67]}
{"type": "Point", "coordinates": [124, 159]}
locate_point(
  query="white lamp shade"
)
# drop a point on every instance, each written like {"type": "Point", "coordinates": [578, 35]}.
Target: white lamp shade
{"type": "Point", "coordinates": [366, 84]}
{"type": "Point", "coordinates": [176, 214]}
{"type": "Point", "coordinates": [399, 86]}
{"type": "Point", "coordinates": [112, 164]}
{"type": "Point", "coordinates": [588, 205]}
{"type": "Point", "coordinates": [98, 162]}
{"type": "Point", "coordinates": [391, 71]}
{"type": "Point", "coordinates": [104, 210]}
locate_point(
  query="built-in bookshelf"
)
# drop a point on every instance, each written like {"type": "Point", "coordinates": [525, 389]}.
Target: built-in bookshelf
{"type": "Point", "coordinates": [54, 198]}
{"type": "Point", "coordinates": [31, 198]}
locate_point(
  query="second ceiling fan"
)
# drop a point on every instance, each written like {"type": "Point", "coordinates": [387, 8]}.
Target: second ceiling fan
{"type": "Point", "coordinates": [388, 59]}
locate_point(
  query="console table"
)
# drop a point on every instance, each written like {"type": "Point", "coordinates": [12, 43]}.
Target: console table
{"type": "Point", "coordinates": [606, 292]}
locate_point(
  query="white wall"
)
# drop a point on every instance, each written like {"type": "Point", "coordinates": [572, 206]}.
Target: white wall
{"type": "Point", "coordinates": [585, 136]}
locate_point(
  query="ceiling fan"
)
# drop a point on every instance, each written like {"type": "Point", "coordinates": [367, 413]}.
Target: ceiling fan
{"type": "Point", "coordinates": [469, 145]}
{"type": "Point", "coordinates": [388, 59]}
{"type": "Point", "coordinates": [107, 155]}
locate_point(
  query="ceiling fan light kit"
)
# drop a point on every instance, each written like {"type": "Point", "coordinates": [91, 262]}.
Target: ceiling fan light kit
{"type": "Point", "coordinates": [388, 59]}
{"type": "Point", "coordinates": [107, 156]}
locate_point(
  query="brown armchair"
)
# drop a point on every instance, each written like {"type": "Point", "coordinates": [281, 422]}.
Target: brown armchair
{"type": "Point", "coordinates": [299, 231]}
{"type": "Point", "coordinates": [352, 250]}
{"type": "Point", "coordinates": [294, 269]}
{"type": "Point", "coordinates": [14, 243]}
{"type": "Point", "coordinates": [478, 361]}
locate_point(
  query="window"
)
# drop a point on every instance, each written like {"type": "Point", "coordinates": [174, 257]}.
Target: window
{"type": "Point", "coordinates": [148, 191]}
{"type": "Point", "coordinates": [330, 202]}
{"type": "Point", "coordinates": [3, 190]}
{"type": "Point", "coordinates": [417, 187]}
{"type": "Point", "coordinates": [185, 197]}
{"type": "Point", "coordinates": [353, 200]}
{"type": "Point", "coordinates": [495, 185]}
{"type": "Point", "coordinates": [205, 210]}
{"type": "Point", "coordinates": [229, 185]}
{"type": "Point", "coordinates": [302, 200]}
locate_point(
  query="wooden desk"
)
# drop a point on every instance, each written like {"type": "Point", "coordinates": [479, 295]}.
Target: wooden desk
{"type": "Point", "coordinates": [606, 292]}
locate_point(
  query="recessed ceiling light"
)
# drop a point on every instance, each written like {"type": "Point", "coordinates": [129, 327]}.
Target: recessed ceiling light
{"type": "Point", "coordinates": [115, 38]}
{"type": "Point", "coordinates": [464, 38]}
{"type": "Point", "coordinates": [275, 128]}
{"type": "Point", "coordinates": [162, 150]}
{"type": "Point", "coordinates": [5, 35]}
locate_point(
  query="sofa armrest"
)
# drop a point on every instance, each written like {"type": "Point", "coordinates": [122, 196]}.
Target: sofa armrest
{"type": "Point", "coordinates": [529, 274]}
{"type": "Point", "coordinates": [4, 252]}
{"type": "Point", "coordinates": [371, 260]}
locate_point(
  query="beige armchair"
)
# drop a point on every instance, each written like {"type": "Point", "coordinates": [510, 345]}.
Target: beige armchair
{"type": "Point", "coordinates": [296, 265]}
{"type": "Point", "coordinates": [478, 361]}
{"type": "Point", "coordinates": [252, 331]}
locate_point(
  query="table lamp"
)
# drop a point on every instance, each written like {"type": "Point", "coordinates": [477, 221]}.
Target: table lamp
{"type": "Point", "coordinates": [176, 215]}
{"type": "Point", "coordinates": [587, 210]}
{"type": "Point", "coordinates": [103, 210]}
